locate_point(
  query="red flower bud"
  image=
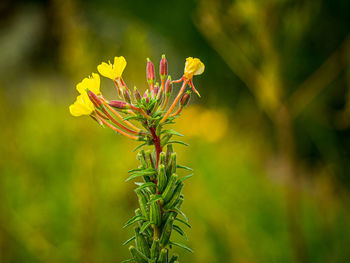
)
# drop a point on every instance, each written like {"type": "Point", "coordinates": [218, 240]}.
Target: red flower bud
{"type": "Point", "coordinates": [137, 94]}
{"type": "Point", "coordinates": [126, 95]}
{"type": "Point", "coordinates": [185, 99]}
{"type": "Point", "coordinates": [118, 104]}
{"type": "Point", "coordinates": [94, 99]}
{"type": "Point", "coordinates": [168, 86]}
{"type": "Point", "coordinates": [150, 71]}
{"type": "Point", "coordinates": [163, 69]}
{"type": "Point", "coordinates": [156, 89]}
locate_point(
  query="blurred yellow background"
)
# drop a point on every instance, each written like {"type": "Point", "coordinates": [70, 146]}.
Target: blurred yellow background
{"type": "Point", "coordinates": [269, 139]}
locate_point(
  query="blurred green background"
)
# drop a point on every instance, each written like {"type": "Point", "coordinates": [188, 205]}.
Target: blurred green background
{"type": "Point", "coordinates": [270, 137]}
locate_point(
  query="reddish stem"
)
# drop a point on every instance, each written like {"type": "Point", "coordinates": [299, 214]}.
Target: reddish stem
{"type": "Point", "coordinates": [156, 141]}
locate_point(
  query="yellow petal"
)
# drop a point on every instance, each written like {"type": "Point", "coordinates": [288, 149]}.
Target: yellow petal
{"type": "Point", "coordinates": [106, 70]}
{"type": "Point", "coordinates": [119, 66]}
{"type": "Point", "coordinates": [90, 83]}
{"type": "Point", "coordinates": [82, 106]}
{"type": "Point", "coordinates": [193, 66]}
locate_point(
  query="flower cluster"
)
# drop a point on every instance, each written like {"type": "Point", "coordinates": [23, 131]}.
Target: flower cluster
{"type": "Point", "coordinates": [159, 192]}
{"type": "Point", "coordinates": [152, 106]}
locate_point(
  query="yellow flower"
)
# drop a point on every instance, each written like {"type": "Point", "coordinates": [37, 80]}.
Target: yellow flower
{"type": "Point", "coordinates": [114, 71]}
{"type": "Point", "coordinates": [193, 66]}
{"type": "Point", "coordinates": [90, 83]}
{"type": "Point", "coordinates": [82, 106]}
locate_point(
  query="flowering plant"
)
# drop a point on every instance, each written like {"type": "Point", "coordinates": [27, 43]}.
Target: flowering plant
{"type": "Point", "coordinates": [159, 193]}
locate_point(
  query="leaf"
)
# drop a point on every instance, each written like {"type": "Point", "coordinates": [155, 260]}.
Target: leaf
{"type": "Point", "coordinates": [149, 171]}
{"type": "Point", "coordinates": [183, 222]}
{"type": "Point", "coordinates": [129, 260]}
{"type": "Point", "coordinates": [129, 240]}
{"type": "Point", "coordinates": [184, 167]}
{"type": "Point", "coordinates": [144, 185]}
{"type": "Point", "coordinates": [139, 146]}
{"type": "Point", "coordinates": [182, 246]}
{"type": "Point", "coordinates": [140, 218]}
{"type": "Point", "coordinates": [180, 231]}
{"type": "Point", "coordinates": [144, 226]}
{"type": "Point", "coordinates": [135, 170]}
{"type": "Point", "coordinates": [173, 132]}
{"type": "Point", "coordinates": [179, 212]}
{"type": "Point", "coordinates": [132, 118]}
{"type": "Point", "coordinates": [154, 199]}
{"type": "Point", "coordinates": [179, 142]}
{"type": "Point", "coordinates": [185, 177]}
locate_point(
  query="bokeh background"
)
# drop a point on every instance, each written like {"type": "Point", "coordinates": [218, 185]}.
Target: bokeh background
{"type": "Point", "coordinates": [270, 137]}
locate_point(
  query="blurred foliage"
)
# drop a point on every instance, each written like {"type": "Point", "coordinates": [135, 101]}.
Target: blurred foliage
{"type": "Point", "coordinates": [269, 138]}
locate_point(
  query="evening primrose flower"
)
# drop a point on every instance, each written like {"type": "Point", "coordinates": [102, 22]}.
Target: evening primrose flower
{"type": "Point", "coordinates": [91, 83]}
{"type": "Point", "coordinates": [193, 66]}
{"type": "Point", "coordinates": [112, 71]}
{"type": "Point", "coordinates": [82, 106]}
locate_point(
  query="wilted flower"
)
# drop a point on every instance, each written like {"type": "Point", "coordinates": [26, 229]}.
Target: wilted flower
{"type": "Point", "coordinates": [193, 66]}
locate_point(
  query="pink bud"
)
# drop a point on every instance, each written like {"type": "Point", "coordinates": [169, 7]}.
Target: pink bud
{"type": "Point", "coordinates": [94, 99]}
{"type": "Point", "coordinates": [168, 86]}
{"type": "Point", "coordinates": [137, 94]}
{"type": "Point", "coordinates": [150, 71]}
{"type": "Point", "coordinates": [156, 89]}
{"type": "Point", "coordinates": [163, 69]}
{"type": "Point", "coordinates": [185, 99]}
{"type": "Point", "coordinates": [126, 95]}
{"type": "Point", "coordinates": [118, 104]}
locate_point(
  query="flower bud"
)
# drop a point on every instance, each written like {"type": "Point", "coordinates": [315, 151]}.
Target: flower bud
{"type": "Point", "coordinates": [137, 94]}
{"type": "Point", "coordinates": [163, 69]}
{"type": "Point", "coordinates": [94, 99]}
{"type": "Point", "coordinates": [137, 255]}
{"type": "Point", "coordinates": [155, 90]}
{"type": "Point", "coordinates": [163, 256]}
{"type": "Point", "coordinates": [185, 99]}
{"type": "Point", "coordinates": [168, 86]}
{"type": "Point", "coordinates": [159, 94]}
{"type": "Point", "coordinates": [150, 72]}
{"type": "Point", "coordinates": [146, 96]}
{"type": "Point", "coordinates": [167, 229]}
{"type": "Point", "coordinates": [126, 95]}
{"type": "Point", "coordinates": [141, 243]}
{"type": "Point", "coordinates": [176, 195]}
{"type": "Point", "coordinates": [169, 189]}
{"type": "Point", "coordinates": [143, 203]}
{"type": "Point", "coordinates": [155, 249]}
{"type": "Point", "coordinates": [118, 104]}
{"type": "Point", "coordinates": [155, 216]}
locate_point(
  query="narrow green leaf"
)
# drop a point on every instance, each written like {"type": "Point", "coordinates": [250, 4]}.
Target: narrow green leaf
{"type": "Point", "coordinates": [185, 177]}
{"type": "Point", "coordinates": [129, 260]}
{"type": "Point", "coordinates": [179, 212]}
{"type": "Point", "coordinates": [139, 146]}
{"type": "Point", "coordinates": [139, 218]}
{"type": "Point", "coordinates": [144, 226]}
{"type": "Point", "coordinates": [183, 222]}
{"type": "Point", "coordinates": [132, 118]}
{"type": "Point", "coordinates": [182, 246]}
{"type": "Point", "coordinates": [173, 132]}
{"type": "Point", "coordinates": [184, 167]}
{"type": "Point", "coordinates": [135, 170]}
{"type": "Point", "coordinates": [145, 185]}
{"type": "Point", "coordinates": [155, 198]}
{"type": "Point", "coordinates": [179, 142]}
{"type": "Point", "coordinates": [133, 176]}
{"type": "Point", "coordinates": [129, 240]}
{"type": "Point", "coordinates": [180, 231]}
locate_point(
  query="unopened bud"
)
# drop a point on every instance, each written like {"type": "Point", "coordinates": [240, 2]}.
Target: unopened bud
{"type": "Point", "coordinates": [94, 99]}
{"type": "Point", "coordinates": [156, 89]}
{"type": "Point", "coordinates": [168, 86]}
{"type": "Point", "coordinates": [150, 72]}
{"type": "Point", "coordinates": [126, 95]}
{"type": "Point", "coordinates": [137, 94]}
{"type": "Point", "coordinates": [118, 104]}
{"type": "Point", "coordinates": [146, 96]}
{"type": "Point", "coordinates": [163, 69]}
{"type": "Point", "coordinates": [159, 94]}
{"type": "Point", "coordinates": [185, 99]}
